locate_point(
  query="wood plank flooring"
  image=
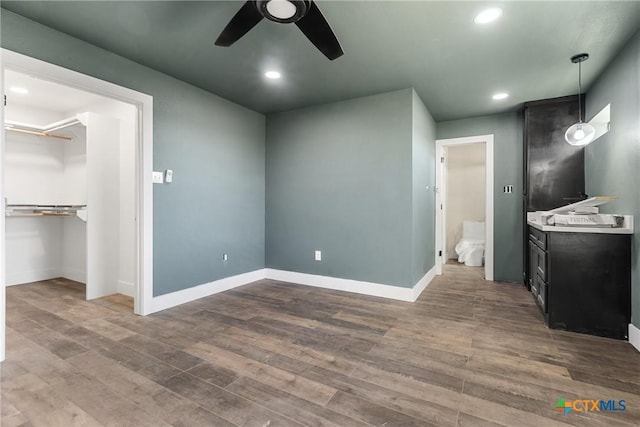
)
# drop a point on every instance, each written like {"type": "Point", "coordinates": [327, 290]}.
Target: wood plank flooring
{"type": "Point", "coordinates": [467, 353]}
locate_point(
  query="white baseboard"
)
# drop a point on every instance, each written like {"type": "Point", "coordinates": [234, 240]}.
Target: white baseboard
{"type": "Point", "coordinates": [173, 299]}
{"type": "Point", "coordinates": [23, 277]}
{"type": "Point", "coordinates": [424, 282]}
{"type": "Point", "coordinates": [355, 286]}
{"type": "Point", "coordinates": [126, 288]}
{"type": "Point", "coordinates": [634, 336]}
{"type": "Point", "coordinates": [74, 274]}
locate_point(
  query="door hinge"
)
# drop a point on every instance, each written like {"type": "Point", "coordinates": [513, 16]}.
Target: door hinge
{"type": "Point", "coordinates": [439, 253]}
{"type": "Point", "coordinates": [440, 206]}
{"type": "Point", "coordinates": [441, 159]}
{"type": "Point", "coordinates": [5, 100]}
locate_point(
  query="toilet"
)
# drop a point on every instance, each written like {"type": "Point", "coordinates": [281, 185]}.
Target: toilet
{"type": "Point", "coordinates": [470, 248]}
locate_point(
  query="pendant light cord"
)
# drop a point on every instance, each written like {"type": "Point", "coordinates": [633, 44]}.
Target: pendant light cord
{"type": "Point", "coordinates": [580, 91]}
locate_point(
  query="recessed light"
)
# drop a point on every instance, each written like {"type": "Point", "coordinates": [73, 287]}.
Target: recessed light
{"type": "Point", "coordinates": [20, 90]}
{"type": "Point", "coordinates": [501, 95]}
{"type": "Point", "coordinates": [273, 75]}
{"type": "Point", "coordinates": [488, 15]}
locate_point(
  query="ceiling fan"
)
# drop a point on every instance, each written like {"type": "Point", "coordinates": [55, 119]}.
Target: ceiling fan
{"type": "Point", "coordinates": [304, 13]}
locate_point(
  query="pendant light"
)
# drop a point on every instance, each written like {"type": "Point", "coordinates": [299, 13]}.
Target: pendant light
{"type": "Point", "coordinates": [580, 133]}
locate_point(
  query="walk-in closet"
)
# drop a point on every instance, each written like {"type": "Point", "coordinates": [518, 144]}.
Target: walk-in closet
{"type": "Point", "coordinates": [69, 168]}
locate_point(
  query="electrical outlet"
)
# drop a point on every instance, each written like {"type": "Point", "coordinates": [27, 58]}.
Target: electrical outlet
{"type": "Point", "coordinates": [225, 257]}
{"type": "Point", "coordinates": [157, 177]}
{"type": "Point", "coordinates": [318, 256]}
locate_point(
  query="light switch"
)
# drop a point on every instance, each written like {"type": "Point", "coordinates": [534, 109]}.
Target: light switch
{"type": "Point", "coordinates": [318, 255]}
{"type": "Point", "coordinates": [158, 177]}
{"type": "Point", "coordinates": [168, 175]}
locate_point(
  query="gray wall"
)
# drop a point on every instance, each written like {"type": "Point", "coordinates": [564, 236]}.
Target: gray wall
{"type": "Point", "coordinates": [508, 216]}
{"type": "Point", "coordinates": [612, 162]}
{"type": "Point", "coordinates": [215, 147]}
{"type": "Point", "coordinates": [424, 175]}
{"type": "Point", "coordinates": [339, 179]}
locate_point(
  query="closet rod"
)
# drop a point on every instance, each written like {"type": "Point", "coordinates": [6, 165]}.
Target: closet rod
{"type": "Point", "coordinates": [31, 132]}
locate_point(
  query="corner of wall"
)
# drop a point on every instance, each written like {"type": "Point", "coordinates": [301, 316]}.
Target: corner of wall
{"type": "Point", "coordinates": [634, 336]}
{"type": "Point", "coordinates": [423, 135]}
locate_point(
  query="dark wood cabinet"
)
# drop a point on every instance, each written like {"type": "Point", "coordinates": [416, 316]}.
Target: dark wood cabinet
{"type": "Point", "coordinates": [582, 281]}
{"type": "Point", "coordinates": [554, 170]}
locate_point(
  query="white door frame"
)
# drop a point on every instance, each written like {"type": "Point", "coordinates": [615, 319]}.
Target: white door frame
{"type": "Point", "coordinates": [144, 167]}
{"type": "Point", "coordinates": [441, 144]}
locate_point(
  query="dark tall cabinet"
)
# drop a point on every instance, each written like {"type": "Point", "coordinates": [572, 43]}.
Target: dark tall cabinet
{"type": "Point", "coordinates": [554, 170]}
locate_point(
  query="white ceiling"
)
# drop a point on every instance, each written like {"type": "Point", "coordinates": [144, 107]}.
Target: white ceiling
{"type": "Point", "coordinates": [46, 95]}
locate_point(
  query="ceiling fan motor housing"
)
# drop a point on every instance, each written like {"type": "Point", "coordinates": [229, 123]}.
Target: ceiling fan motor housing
{"type": "Point", "coordinates": [283, 9]}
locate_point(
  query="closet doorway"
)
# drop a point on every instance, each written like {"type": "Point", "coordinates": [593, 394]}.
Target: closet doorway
{"type": "Point", "coordinates": [464, 202]}
{"type": "Point", "coordinates": [75, 155]}
{"type": "Point", "coordinates": [69, 168]}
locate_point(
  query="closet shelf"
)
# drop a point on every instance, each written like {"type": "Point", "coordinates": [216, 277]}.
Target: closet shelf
{"type": "Point", "coordinates": [46, 130]}
{"type": "Point", "coordinates": [79, 211]}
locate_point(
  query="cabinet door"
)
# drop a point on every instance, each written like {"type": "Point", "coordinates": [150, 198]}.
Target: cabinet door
{"type": "Point", "coordinates": [533, 267]}
{"type": "Point", "coordinates": [541, 264]}
{"type": "Point", "coordinates": [590, 283]}
{"type": "Point", "coordinates": [542, 292]}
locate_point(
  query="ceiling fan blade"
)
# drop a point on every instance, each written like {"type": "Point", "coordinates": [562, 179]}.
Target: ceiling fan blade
{"type": "Point", "coordinates": [246, 18]}
{"type": "Point", "coordinates": [318, 31]}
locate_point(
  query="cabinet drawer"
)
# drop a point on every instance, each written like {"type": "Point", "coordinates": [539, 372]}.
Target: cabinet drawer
{"type": "Point", "coordinates": [538, 237]}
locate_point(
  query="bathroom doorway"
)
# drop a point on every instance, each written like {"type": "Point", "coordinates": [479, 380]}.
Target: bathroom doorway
{"type": "Point", "coordinates": [464, 203]}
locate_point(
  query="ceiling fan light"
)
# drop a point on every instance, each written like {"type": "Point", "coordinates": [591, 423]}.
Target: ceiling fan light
{"type": "Point", "coordinates": [580, 134]}
{"type": "Point", "coordinates": [281, 9]}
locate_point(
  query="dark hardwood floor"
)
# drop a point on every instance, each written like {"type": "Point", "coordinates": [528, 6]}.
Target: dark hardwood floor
{"type": "Point", "coordinates": [467, 353]}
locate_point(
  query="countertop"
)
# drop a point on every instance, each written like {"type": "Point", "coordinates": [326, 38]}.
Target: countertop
{"type": "Point", "coordinates": [626, 229]}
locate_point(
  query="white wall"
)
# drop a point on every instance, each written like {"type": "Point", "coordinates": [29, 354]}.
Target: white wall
{"type": "Point", "coordinates": [75, 167]}
{"type": "Point", "coordinates": [44, 171]}
{"type": "Point", "coordinates": [127, 116]}
{"type": "Point", "coordinates": [33, 249]}
{"type": "Point", "coordinates": [74, 230]}
{"type": "Point", "coordinates": [103, 185]}
{"type": "Point", "coordinates": [465, 189]}
{"type": "Point", "coordinates": [34, 169]}
{"type": "Point", "coordinates": [74, 249]}
{"type": "Point", "coordinates": [31, 115]}
{"type": "Point", "coordinates": [2, 232]}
